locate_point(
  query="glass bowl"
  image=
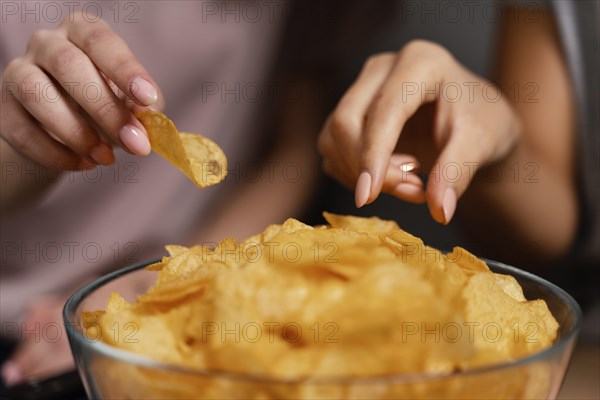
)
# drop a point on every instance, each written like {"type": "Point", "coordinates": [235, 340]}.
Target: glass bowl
{"type": "Point", "coordinates": [108, 372]}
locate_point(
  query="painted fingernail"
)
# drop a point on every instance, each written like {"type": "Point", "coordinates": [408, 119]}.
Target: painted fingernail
{"type": "Point", "coordinates": [102, 154]}
{"type": "Point", "coordinates": [143, 91]}
{"type": "Point", "coordinates": [135, 140]}
{"type": "Point", "coordinates": [448, 204]}
{"type": "Point", "coordinates": [363, 189]}
{"type": "Point", "coordinates": [11, 373]}
{"type": "Point", "coordinates": [408, 167]}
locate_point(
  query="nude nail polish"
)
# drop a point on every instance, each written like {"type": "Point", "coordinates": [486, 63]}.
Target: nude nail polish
{"type": "Point", "coordinates": [449, 204]}
{"type": "Point", "coordinates": [363, 189]}
{"type": "Point", "coordinates": [143, 91]}
{"type": "Point", "coordinates": [135, 140]}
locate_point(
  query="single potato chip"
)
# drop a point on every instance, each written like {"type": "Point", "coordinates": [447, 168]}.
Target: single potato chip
{"type": "Point", "coordinates": [199, 158]}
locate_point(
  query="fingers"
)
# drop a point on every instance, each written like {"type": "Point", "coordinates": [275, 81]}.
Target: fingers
{"type": "Point", "coordinates": [334, 163]}
{"type": "Point", "coordinates": [347, 121]}
{"type": "Point", "coordinates": [398, 182]}
{"type": "Point", "coordinates": [58, 116]}
{"type": "Point", "coordinates": [111, 55]}
{"type": "Point", "coordinates": [453, 172]}
{"type": "Point", "coordinates": [366, 126]}
{"type": "Point", "coordinates": [11, 373]}
{"type": "Point", "coordinates": [363, 131]}
{"type": "Point", "coordinates": [37, 359]}
{"type": "Point", "coordinates": [409, 192]}
{"type": "Point", "coordinates": [42, 357]}
{"type": "Point", "coordinates": [401, 179]}
{"type": "Point", "coordinates": [418, 64]}
{"type": "Point", "coordinates": [76, 73]}
{"type": "Point", "coordinates": [341, 139]}
{"type": "Point", "coordinates": [24, 134]}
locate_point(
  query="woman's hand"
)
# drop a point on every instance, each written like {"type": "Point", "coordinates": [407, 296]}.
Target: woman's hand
{"type": "Point", "coordinates": [43, 350]}
{"type": "Point", "coordinates": [472, 126]}
{"type": "Point", "coordinates": [73, 93]}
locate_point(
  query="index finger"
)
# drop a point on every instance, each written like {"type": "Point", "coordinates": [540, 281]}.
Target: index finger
{"type": "Point", "coordinates": [111, 55]}
{"type": "Point", "coordinates": [414, 74]}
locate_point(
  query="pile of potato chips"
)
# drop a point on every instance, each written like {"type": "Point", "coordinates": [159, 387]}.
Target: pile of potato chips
{"type": "Point", "coordinates": [357, 298]}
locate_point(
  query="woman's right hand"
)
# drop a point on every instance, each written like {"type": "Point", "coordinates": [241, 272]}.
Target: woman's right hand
{"type": "Point", "coordinates": [73, 94]}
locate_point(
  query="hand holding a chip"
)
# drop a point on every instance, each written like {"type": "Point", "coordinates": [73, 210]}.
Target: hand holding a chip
{"type": "Point", "coordinates": [360, 139]}
{"type": "Point", "coordinates": [72, 94]}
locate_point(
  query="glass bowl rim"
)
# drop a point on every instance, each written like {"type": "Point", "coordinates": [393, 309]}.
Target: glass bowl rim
{"type": "Point", "coordinates": [132, 358]}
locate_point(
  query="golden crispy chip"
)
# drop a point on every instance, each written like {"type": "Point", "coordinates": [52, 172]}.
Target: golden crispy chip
{"type": "Point", "coordinates": [507, 327]}
{"type": "Point", "coordinates": [157, 266]}
{"type": "Point", "coordinates": [466, 260]}
{"type": "Point", "coordinates": [510, 286]}
{"type": "Point", "coordinates": [89, 318]}
{"type": "Point", "coordinates": [360, 297]}
{"type": "Point", "coordinates": [199, 158]}
{"type": "Point", "coordinates": [116, 303]}
{"type": "Point", "coordinates": [367, 225]}
{"type": "Point", "coordinates": [174, 249]}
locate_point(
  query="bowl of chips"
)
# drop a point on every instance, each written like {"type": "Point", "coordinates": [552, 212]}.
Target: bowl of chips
{"type": "Point", "coordinates": [354, 309]}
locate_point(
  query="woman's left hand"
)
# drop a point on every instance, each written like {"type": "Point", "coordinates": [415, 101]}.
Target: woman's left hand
{"type": "Point", "coordinates": [43, 349]}
{"type": "Point", "coordinates": [472, 125]}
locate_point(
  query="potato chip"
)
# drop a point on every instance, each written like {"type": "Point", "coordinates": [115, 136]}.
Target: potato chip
{"type": "Point", "coordinates": [368, 225]}
{"type": "Point", "coordinates": [198, 157]}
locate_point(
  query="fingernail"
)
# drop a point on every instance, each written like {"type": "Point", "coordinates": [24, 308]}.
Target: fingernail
{"type": "Point", "coordinates": [135, 140]}
{"type": "Point", "coordinates": [363, 189]}
{"type": "Point", "coordinates": [143, 91]}
{"type": "Point", "coordinates": [11, 373]}
{"type": "Point", "coordinates": [102, 154]}
{"type": "Point", "coordinates": [408, 167]}
{"type": "Point", "coordinates": [448, 204]}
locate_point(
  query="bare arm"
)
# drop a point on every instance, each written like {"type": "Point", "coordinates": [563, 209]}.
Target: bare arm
{"type": "Point", "coordinates": [535, 200]}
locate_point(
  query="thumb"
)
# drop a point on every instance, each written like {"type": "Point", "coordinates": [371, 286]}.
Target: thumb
{"type": "Point", "coordinates": [451, 175]}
